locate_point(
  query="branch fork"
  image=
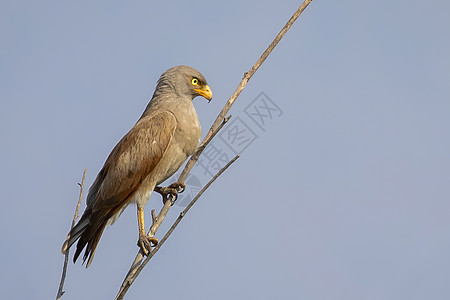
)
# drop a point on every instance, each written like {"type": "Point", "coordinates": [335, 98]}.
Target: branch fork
{"type": "Point", "coordinates": [139, 263]}
{"type": "Point", "coordinates": [218, 124]}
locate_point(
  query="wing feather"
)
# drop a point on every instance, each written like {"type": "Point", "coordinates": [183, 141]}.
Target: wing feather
{"type": "Point", "coordinates": [134, 157]}
{"type": "Point", "coordinates": [129, 163]}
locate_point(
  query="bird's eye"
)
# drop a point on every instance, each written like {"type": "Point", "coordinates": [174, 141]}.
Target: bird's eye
{"type": "Point", "coordinates": [194, 81]}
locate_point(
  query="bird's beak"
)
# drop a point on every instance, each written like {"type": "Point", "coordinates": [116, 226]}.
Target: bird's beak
{"type": "Point", "coordinates": [205, 92]}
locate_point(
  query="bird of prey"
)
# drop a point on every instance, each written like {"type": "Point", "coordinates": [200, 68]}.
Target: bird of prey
{"type": "Point", "coordinates": [166, 134]}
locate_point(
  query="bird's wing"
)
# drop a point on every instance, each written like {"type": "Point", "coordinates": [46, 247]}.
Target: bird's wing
{"type": "Point", "coordinates": [131, 160]}
{"type": "Point", "coordinates": [129, 163]}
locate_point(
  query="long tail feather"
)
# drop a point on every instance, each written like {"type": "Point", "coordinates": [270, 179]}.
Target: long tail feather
{"type": "Point", "coordinates": [75, 233]}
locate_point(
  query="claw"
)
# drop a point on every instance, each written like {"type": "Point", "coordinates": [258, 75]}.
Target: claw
{"type": "Point", "coordinates": [179, 186]}
{"type": "Point", "coordinates": [146, 243]}
{"type": "Point", "coordinates": [171, 192]}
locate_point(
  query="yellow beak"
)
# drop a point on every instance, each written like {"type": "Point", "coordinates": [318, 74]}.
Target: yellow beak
{"type": "Point", "coordinates": [205, 92]}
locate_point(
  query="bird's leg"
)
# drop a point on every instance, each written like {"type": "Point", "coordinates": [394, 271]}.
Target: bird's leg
{"type": "Point", "coordinates": [170, 191]}
{"type": "Point", "coordinates": [144, 242]}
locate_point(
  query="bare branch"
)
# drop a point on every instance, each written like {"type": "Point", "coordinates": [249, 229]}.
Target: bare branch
{"type": "Point", "coordinates": [154, 218]}
{"type": "Point", "coordinates": [66, 256]}
{"type": "Point", "coordinates": [214, 128]}
{"type": "Point", "coordinates": [134, 273]}
{"type": "Point", "coordinates": [218, 124]}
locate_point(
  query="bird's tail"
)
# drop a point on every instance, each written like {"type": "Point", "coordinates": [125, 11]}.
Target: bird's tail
{"type": "Point", "coordinates": [75, 234]}
{"type": "Point", "coordinates": [87, 234]}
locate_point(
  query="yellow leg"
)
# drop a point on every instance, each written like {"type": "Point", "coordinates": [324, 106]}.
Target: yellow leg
{"type": "Point", "coordinates": [141, 224]}
{"type": "Point", "coordinates": [144, 241]}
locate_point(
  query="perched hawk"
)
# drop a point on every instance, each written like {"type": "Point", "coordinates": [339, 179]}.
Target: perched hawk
{"type": "Point", "coordinates": [167, 133]}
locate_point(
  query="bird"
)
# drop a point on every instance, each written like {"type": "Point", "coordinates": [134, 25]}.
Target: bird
{"type": "Point", "coordinates": [166, 134]}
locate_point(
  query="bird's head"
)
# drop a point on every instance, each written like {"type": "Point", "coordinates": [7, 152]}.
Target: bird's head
{"type": "Point", "coordinates": [186, 81]}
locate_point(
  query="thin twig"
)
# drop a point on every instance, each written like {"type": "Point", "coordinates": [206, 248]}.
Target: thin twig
{"type": "Point", "coordinates": [239, 89]}
{"type": "Point", "coordinates": [132, 276]}
{"type": "Point", "coordinates": [66, 256]}
{"type": "Point", "coordinates": [218, 124]}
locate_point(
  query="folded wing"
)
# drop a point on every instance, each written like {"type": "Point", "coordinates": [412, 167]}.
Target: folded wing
{"type": "Point", "coordinates": [129, 163]}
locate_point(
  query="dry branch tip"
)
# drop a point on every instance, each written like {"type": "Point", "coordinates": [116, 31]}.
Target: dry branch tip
{"type": "Point", "coordinates": [218, 124]}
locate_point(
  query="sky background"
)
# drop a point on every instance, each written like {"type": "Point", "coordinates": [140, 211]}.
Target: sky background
{"type": "Point", "coordinates": [343, 194]}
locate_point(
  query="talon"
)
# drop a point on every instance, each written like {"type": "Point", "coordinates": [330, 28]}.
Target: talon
{"type": "Point", "coordinates": [179, 186]}
{"type": "Point", "coordinates": [171, 191]}
{"type": "Point", "coordinates": [146, 243]}
{"type": "Point", "coordinates": [154, 241]}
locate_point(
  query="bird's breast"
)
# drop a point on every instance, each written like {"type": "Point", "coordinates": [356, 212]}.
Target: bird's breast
{"type": "Point", "coordinates": [189, 130]}
{"type": "Point", "coordinates": [182, 145]}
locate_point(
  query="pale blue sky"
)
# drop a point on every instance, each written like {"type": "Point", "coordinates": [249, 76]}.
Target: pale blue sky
{"type": "Point", "coordinates": [343, 196]}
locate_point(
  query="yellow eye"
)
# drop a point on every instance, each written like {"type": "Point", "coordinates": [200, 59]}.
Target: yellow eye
{"type": "Point", "coordinates": [194, 81]}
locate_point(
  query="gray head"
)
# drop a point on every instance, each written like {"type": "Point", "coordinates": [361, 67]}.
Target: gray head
{"type": "Point", "coordinates": [183, 81]}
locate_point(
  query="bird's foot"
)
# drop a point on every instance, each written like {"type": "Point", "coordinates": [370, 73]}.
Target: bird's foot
{"type": "Point", "coordinates": [171, 192]}
{"type": "Point", "coordinates": [146, 243]}
{"type": "Point", "coordinates": [167, 193]}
